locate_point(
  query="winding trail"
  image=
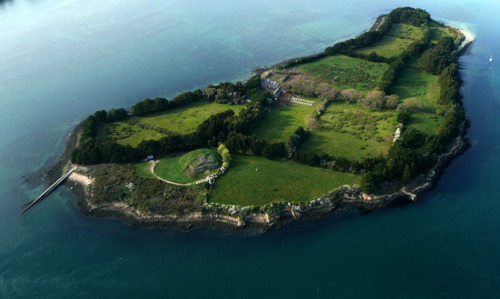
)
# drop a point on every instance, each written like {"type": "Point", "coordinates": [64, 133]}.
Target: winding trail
{"type": "Point", "coordinates": [152, 169]}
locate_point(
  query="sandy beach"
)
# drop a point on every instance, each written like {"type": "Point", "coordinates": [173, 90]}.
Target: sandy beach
{"type": "Point", "coordinates": [468, 38]}
{"type": "Point", "coordinates": [81, 179]}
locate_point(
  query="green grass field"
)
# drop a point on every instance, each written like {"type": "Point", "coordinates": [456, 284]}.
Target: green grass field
{"type": "Point", "coordinates": [426, 122]}
{"type": "Point", "coordinates": [275, 181]}
{"type": "Point", "coordinates": [187, 118]}
{"type": "Point", "coordinates": [174, 169]}
{"type": "Point", "coordinates": [346, 72]}
{"type": "Point", "coordinates": [281, 123]}
{"type": "Point", "coordinates": [406, 31]}
{"type": "Point", "coordinates": [415, 83]}
{"type": "Point", "coordinates": [352, 132]}
{"type": "Point", "coordinates": [181, 120]}
{"type": "Point", "coordinates": [395, 42]}
{"type": "Point", "coordinates": [126, 133]}
{"type": "Point", "coordinates": [143, 170]}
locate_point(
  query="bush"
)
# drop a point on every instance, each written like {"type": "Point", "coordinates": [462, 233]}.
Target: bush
{"type": "Point", "coordinates": [311, 121]}
{"type": "Point", "coordinates": [392, 101]}
{"type": "Point", "coordinates": [375, 100]}
{"type": "Point", "coordinates": [351, 95]}
{"type": "Point", "coordinates": [412, 105]}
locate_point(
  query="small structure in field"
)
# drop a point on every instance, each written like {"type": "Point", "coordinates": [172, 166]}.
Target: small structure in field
{"type": "Point", "coordinates": [149, 158]}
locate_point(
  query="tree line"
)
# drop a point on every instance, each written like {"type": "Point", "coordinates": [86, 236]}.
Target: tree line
{"type": "Point", "coordinates": [211, 132]}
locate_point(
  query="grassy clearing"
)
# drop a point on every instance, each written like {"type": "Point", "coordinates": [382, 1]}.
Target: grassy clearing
{"type": "Point", "coordinates": [186, 119]}
{"type": "Point", "coordinates": [181, 120]}
{"type": "Point", "coordinates": [426, 122]}
{"type": "Point", "coordinates": [126, 133]}
{"type": "Point", "coordinates": [174, 169]}
{"type": "Point", "coordinates": [281, 123]}
{"type": "Point", "coordinates": [143, 170]}
{"type": "Point", "coordinates": [395, 42]}
{"type": "Point", "coordinates": [439, 31]}
{"type": "Point", "coordinates": [415, 83]}
{"type": "Point", "coordinates": [346, 72]}
{"type": "Point", "coordinates": [352, 132]}
{"type": "Point", "coordinates": [275, 181]}
{"type": "Point", "coordinates": [406, 31]}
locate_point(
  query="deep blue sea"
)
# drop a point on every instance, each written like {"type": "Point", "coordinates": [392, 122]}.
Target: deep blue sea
{"type": "Point", "coordinates": [61, 60]}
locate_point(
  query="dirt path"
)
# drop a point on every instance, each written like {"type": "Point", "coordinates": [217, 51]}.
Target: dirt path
{"type": "Point", "coordinates": [152, 169]}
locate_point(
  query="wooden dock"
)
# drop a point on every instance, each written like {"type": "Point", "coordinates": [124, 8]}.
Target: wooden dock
{"type": "Point", "coordinates": [50, 189]}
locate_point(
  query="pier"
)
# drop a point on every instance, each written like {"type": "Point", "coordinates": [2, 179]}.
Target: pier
{"type": "Point", "coordinates": [50, 189]}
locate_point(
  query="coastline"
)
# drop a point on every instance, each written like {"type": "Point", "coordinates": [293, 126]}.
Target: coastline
{"type": "Point", "coordinates": [469, 38]}
{"type": "Point", "coordinates": [270, 217]}
{"type": "Point", "coordinates": [337, 202]}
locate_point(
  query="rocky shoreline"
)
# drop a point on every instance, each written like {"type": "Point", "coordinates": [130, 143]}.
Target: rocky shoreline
{"type": "Point", "coordinates": [268, 218]}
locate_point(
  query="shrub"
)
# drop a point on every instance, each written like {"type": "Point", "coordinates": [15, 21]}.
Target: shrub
{"type": "Point", "coordinates": [351, 95]}
{"type": "Point", "coordinates": [311, 121]}
{"type": "Point", "coordinates": [412, 105]}
{"type": "Point", "coordinates": [375, 100]}
{"type": "Point", "coordinates": [392, 101]}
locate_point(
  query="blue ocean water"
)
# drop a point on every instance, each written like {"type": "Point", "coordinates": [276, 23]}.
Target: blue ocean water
{"type": "Point", "coordinates": [63, 59]}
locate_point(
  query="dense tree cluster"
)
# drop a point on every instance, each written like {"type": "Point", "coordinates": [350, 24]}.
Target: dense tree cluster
{"type": "Point", "coordinates": [391, 75]}
{"type": "Point", "coordinates": [161, 104]}
{"type": "Point", "coordinates": [449, 83]}
{"type": "Point", "coordinates": [251, 145]}
{"type": "Point", "coordinates": [225, 93]}
{"type": "Point", "coordinates": [95, 151]}
{"type": "Point", "coordinates": [89, 129]}
{"type": "Point", "coordinates": [409, 15]}
{"type": "Point", "coordinates": [435, 59]}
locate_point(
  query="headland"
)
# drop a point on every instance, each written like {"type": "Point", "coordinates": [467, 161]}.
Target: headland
{"type": "Point", "coordinates": [368, 123]}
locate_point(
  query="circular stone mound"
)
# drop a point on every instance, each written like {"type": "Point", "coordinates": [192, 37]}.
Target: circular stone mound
{"type": "Point", "coordinates": [189, 167]}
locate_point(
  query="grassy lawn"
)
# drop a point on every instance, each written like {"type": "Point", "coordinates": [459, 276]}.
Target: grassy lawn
{"type": "Point", "coordinates": [126, 134]}
{"type": "Point", "coordinates": [280, 123]}
{"type": "Point", "coordinates": [352, 132]}
{"type": "Point", "coordinates": [275, 181]}
{"type": "Point", "coordinates": [174, 169]}
{"type": "Point", "coordinates": [181, 120]}
{"type": "Point", "coordinates": [425, 122]}
{"type": "Point", "coordinates": [143, 170]}
{"type": "Point", "coordinates": [187, 118]}
{"type": "Point", "coordinates": [395, 42]}
{"type": "Point", "coordinates": [346, 72]}
{"type": "Point", "coordinates": [415, 83]}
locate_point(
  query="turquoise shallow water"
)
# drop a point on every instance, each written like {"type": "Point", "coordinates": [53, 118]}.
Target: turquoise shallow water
{"type": "Point", "coordinates": [61, 60]}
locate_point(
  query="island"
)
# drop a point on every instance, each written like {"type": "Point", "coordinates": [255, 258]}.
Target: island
{"type": "Point", "coordinates": [367, 123]}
